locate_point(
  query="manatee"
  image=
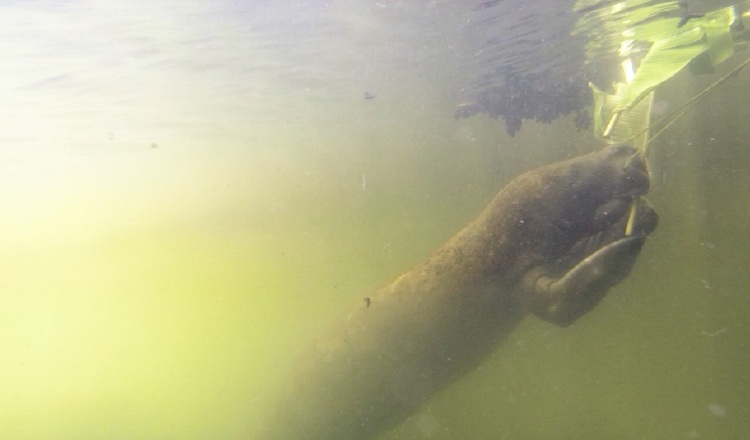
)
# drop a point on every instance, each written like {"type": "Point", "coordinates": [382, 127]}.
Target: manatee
{"type": "Point", "coordinates": [551, 243]}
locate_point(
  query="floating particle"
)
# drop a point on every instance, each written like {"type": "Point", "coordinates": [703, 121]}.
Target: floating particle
{"type": "Point", "coordinates": [717, 410]}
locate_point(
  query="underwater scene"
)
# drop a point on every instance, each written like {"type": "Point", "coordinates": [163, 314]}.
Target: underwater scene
{"type": "Point", "coordinates": [375, 220]}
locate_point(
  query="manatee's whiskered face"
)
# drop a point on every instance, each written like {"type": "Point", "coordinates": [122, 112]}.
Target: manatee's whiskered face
{"type": "Point", "coordinates": [538, 217]}
{"type": "Point", "coordinates": [604, 220]}
{"type": "Point", "coordinates": [596, 192]}
{"type": "Point", "coordinates": [599, 224]}
{"type": "Point", "coordinates": [633, 170]}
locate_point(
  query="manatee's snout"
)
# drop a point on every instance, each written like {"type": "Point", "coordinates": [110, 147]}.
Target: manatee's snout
{"type": "Point", "coordinates": [631, 167]}
{"type": "Point", "coordinates": [626, 174]}
{"type": "Point", "coordinates": [616, 227]}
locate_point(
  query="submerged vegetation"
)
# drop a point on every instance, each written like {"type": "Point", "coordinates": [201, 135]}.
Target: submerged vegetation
{"type": "Point", "coordinates": [531, 97]}
{"type": "Point", "coordinates": [650, 40]}
{"type": "Point", "coordinates": [696, 41]}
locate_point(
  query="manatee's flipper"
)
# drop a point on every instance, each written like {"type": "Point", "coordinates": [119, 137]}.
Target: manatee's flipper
{"type": "Point", "coordinates": [568, 289]}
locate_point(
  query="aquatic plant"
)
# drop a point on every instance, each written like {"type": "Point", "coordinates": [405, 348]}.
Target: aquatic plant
{"type": "Point", "coordinates": [698, 41]}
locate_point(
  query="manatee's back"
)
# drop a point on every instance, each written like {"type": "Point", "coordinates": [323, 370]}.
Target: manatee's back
{"type": "Point", "coordinates": [389, 356]}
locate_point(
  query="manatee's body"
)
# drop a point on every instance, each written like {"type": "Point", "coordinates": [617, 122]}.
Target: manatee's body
{"type": "Point", "coordinates": [551, 243]}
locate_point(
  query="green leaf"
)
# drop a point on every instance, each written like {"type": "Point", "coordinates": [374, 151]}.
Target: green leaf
{"type": "Point", "coordinates": [665, 58]}
{"type": "Point", "coordinates": [702, 43]}
{"type": "Point", "coordinates": [627, 123]}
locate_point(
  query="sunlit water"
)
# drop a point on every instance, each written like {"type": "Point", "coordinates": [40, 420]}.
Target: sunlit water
{"type": "Point", "coordinates": [190, 191]}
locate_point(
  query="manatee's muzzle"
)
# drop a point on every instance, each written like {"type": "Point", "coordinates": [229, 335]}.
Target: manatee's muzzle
{"type": "Point", "coordinates": [636, 174]}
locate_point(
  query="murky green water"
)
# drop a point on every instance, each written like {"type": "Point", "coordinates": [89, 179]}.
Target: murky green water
{"type": "Point", "coordinates": [190, 192]}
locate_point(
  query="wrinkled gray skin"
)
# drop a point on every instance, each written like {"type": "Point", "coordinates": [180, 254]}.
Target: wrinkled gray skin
{"type": "Point", "coordinates": [551, 243]}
